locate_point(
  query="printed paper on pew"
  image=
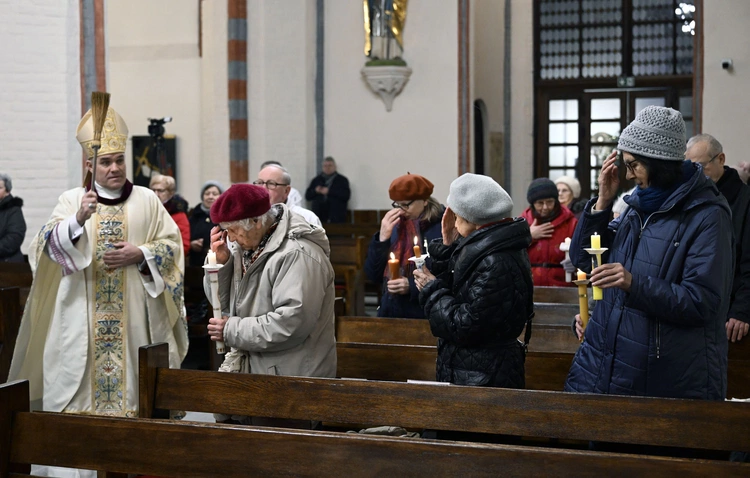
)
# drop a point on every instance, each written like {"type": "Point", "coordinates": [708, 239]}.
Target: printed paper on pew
{"type": "Point", "coordinates": [426, 382]}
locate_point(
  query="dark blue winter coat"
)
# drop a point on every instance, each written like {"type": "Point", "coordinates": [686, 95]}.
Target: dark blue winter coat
{"type": "Point", "coordinates": [666, 337]}
{"type": "Point", "coordinates": [394, 305]}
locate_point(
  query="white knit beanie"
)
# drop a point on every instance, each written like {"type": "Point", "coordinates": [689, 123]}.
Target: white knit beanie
{"type": "Point", "coordinates": [657, 132]}
{"type": "Point", "coordinates": [479, 199]}
{"type": "Point", "coordinates": [572, 183]}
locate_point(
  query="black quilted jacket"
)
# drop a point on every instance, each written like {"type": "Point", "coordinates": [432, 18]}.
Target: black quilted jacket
{"type": "Point", "coordinates": [479, 304]}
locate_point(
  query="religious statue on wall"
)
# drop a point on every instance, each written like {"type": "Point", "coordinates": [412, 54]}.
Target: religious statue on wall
{"type": "Point", "coordinates": [384, 28]}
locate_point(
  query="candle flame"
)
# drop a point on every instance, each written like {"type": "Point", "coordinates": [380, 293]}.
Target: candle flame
{"type": "Point", "coordinates": [416, 240]}
{"type": "Point", "coordinates": [393, 256]}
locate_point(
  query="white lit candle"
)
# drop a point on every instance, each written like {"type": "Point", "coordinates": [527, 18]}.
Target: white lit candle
{"type": "Point", "coordinates": [211, 258]}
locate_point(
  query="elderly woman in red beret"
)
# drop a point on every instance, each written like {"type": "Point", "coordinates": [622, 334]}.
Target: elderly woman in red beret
{"type": "Point", "coordinates": [417, 214]}
{"type": "Point", "coordinates": [276, 286]}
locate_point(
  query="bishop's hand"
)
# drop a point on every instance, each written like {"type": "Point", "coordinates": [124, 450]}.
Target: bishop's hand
{"type": "Point", "coordinates": [88, 207]}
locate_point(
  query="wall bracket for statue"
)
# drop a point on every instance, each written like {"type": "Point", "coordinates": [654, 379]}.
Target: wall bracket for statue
{"type": "Point", "coordinates": [386, 72]}
{"type": "Point", "coordinates": [387, 81]}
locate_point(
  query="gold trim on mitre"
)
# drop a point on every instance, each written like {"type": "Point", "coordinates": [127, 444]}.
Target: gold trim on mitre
{"type": "Point", "coordinates": [114, 134]}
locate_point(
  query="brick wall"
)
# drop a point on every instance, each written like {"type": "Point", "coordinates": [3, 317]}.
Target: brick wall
{"type": "Point", "coordinates": [39, 103]}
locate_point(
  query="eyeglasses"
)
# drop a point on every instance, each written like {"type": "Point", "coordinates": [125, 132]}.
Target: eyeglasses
{"type": "Point", "coordinates": [709, 161]}
{"type": "Point", "coordinates": [402, 206]}
{"type": "Point", "coordinates": [268, 184]}
{"type": "Point", "coordinates": [631, 165]}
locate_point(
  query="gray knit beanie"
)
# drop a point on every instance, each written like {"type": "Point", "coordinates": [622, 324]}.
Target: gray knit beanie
{"type": "Point", "coordinates": [657, 132]}
{"type": "Point", "coordinates": [479, 199]}
{"type": "Point", "coordinates": [215, 184]}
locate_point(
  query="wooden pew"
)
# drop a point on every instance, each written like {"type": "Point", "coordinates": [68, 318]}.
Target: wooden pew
{"type": "Point", "coordinates": [602, 418]}
{"type": "Point", "coordinates": [377, 349]}
{"type": "Point", "coordinates": [559, 295]}
{"type": "Point", "coordinates": [399, 363]}
{"type": "Point", "coordinates": [348, 261]}
{"type": "Point", "coordinates": [10, 321]}
{"type": "Point", "coordinates": [191, 449]}
{"type": "Point", "coordinates": [351, 230]}
{"type": "Point", "coordinates": [17, 274]}
{"type": "Point", "coordinates": [547, 336]}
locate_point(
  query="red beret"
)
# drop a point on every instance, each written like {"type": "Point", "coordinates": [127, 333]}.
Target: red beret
{"type": "Point", "coordinates": [241, 201]}
{"type": "Point", "coordinates": [409, 187]}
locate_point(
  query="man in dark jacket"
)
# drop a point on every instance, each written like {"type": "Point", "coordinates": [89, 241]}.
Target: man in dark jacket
{"type": "Point", "coordinates": [329, 193]}
{"type": "Point", "coordinates": [660, 328]}
{"type": "Point", "coordinates": [705, 150]}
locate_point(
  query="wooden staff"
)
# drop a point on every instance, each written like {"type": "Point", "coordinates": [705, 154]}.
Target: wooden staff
{"type": "Point", "coordinates": [99, 107]}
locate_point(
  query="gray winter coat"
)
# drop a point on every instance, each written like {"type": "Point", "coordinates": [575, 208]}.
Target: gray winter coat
{"type": "Point", "coordinates": [281, 311]}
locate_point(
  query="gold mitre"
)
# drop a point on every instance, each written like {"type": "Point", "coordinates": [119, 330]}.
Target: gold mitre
{"type": "Point", "coordinates": [114, 134]}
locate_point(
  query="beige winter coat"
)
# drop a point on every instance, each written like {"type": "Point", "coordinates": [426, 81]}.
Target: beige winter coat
{"type": "Point", "coordinates": [281, 311]}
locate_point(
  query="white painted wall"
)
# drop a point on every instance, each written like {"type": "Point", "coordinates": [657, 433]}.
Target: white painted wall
{"type": "Point", "coordinates": [281, 86]}
{"type": "Point", "coordinates": [725, 100]}
{"type": "Point", "coordinates": [522, 102]}
{"type": "Point", "coordinates": [488, 51]}
{"type": "Point", "coordinates": [214, 117]}
{"type": "Point", "coordinates": [154, 70]}
{"type": "Point", "coordinates": [420, 134]}
{"type": "Point", "coordinates": [40, 103]}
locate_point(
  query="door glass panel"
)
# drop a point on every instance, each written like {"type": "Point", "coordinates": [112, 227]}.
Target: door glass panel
{"type": "Point", "coordinates": [556, 156]}
{"type": "Point", "coordinates": [571, 156]}
{"type": "Point", "coordinates": [556, 173]}
{"type": "Point", "coordinates": [563, 133]}
{"type": "Point", "coordinates": [641, 103]}
{"type": "Point", "coordinates": [605, 108]}
{"type": "Point", "coordinates": [563, 110]}
{"type": "Point", "coordinates": [604, 131]}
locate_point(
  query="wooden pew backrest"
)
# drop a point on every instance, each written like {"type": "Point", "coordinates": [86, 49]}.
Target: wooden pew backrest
{"type": "Point", "coordinates": [206, 450]}
{"type": "Point", "coordinates": [607, 418]}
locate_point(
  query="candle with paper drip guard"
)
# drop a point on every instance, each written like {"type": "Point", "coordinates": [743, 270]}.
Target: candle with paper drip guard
{"type": "Point", "coordinates": [393, 266]}
{"type": "Point", "coordinates": [565, 247]}
{"type": "Point", "coordinates": [583, 298]}
{"type": "Point", "coordinates": [213, 278]}
{"type": "Point", "coordinates": [419, 259]}
{"type": "Point", "coordinates": [596, 250]}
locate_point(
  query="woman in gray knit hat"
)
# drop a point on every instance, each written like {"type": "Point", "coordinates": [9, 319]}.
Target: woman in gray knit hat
{"type": "Point", "coordinates": [479, 294]}
{"type": "Point", "coordinates": [666, 276]}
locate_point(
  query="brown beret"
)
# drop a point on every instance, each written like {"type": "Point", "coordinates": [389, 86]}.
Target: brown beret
{"type": "Point", "coordinates": [409, 187]}
{"type": "Point", "coordinates": [241, 201]}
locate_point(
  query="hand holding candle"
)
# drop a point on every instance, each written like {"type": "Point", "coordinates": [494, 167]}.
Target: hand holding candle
{"type": "Point", "coordinates": [393, 266]}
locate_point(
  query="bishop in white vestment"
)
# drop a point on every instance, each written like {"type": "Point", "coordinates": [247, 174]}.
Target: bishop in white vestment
{"type": "Point", "coordinates": [107, 279]}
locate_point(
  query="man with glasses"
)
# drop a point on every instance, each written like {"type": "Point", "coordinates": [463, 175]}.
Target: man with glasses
{"type": "Point", "coordinates": [705, 150]}
{"type": "Point", "coordinates": [277, 180]}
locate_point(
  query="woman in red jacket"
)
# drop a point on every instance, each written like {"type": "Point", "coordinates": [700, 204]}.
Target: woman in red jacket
{"type": "Point", "coordinates": [164, 187]}
{"type": "Point", "coordinates": [550, 223]}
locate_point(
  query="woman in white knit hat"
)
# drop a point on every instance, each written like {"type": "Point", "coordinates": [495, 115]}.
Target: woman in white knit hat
{"type": "Point", "coordinates": [481, 293]}
{"type": "Point", "coordinates": [569, 194]}
{"type": "Point", "coordinates": [659, 331]}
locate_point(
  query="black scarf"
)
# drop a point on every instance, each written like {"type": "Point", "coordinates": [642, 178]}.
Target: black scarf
{"type": "Point", "coordinates": [730, 184]}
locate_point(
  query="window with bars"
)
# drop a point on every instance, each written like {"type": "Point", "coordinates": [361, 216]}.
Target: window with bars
{"type": "Point", "coordinates": [582, 47]}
